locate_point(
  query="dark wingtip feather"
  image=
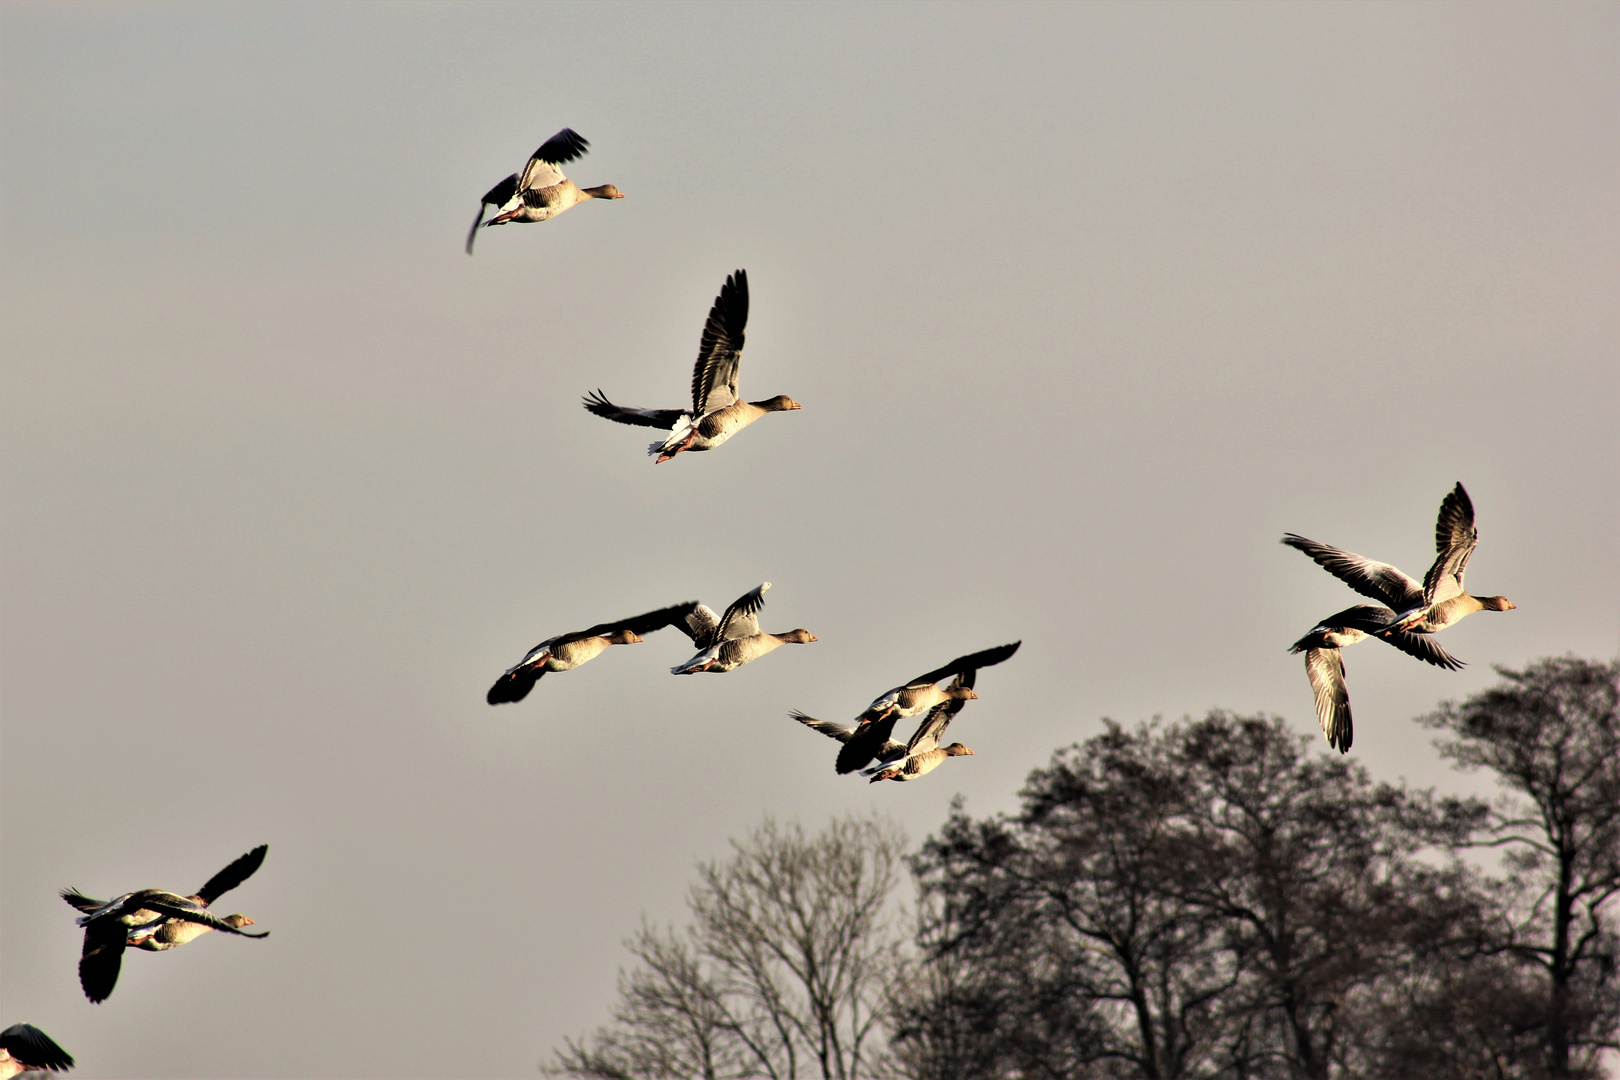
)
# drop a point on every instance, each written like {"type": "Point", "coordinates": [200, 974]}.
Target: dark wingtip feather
{"type": "Point", "coordinates": [511, 687]}
{"type": "Point", "coordinates": [33, 1049]}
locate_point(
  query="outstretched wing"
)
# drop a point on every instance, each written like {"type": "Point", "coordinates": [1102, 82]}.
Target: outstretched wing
{"type": "Point", "coordinates": [1378, 580]}
{"type": "Point", "coordinates": [542, 170]}
{"type": "Point", "coordinates": [513, 686]}
{"type": "Point", "coordinates": [1325, 668]}
{"type": "Point", "coordinates": [496, 196]}
{"type": "Point", "coordinates": [700, 626]}
{"type": "Point", "coordinates": [636, 624]}
{"type": "Point", "coordinates": [1455, 539]}
{"type": "Point", "coordinates": [826, 727]}
{"type": "Point", "coordinates": [1425, 648]}
{"type": "Point", "coordinates": [742, 617]}
{"type": "Point", "coordinates": [868, 741]}
{"type": "Point", "coordinates": [103, 955]}
{"type": "Point", "coordinates": [33, 1049]}
{"type": "Point", "coordinates": [714, 377]}
{"type": "Point", "coordinates": [233, 875]}
{"type": "Point", "coordinates": [81, 901]}
{"type": "Point", "coordinates": [598, 404]}
{"type": "Point", "coordinates": [971, 662]}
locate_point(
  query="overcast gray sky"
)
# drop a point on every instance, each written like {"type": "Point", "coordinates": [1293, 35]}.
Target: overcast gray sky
{"type": "Point", "coordinates": [1086, 306]}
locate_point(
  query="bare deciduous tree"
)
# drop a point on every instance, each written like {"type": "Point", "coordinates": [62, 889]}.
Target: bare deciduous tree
{"type": "Point", "coordinates": [784, 971]}
{"type": "Point", "coordinates": [1551, 734]}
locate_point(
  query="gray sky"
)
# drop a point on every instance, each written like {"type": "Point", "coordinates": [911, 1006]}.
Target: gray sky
{"type": "Point", "coordinates": [1086, 306]}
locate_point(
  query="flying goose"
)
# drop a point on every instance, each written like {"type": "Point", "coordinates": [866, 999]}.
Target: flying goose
{"type": "Point", "coordinates": [1324, 665]}
{"type": "Point", "coordinates": [867, 741]}
{"type": "Point", "coordinates": [567, 651]}
{"type": "Point", "coordinates": [542, 192]}
{"type": "Point", "coordinates": [153, 915]}
{"type": "Point", "coordinates": [923, 753]}
{"type": "Point", "coordinates": [1425, 607]}
{"type": "Point", "coordinates": [923, 693]}
{"type": "Point", "coordinates": [733, 639]}
{"type": "Point", "coordinates": [717, 412]}
{"type": "Point", "coordinates": [25, 1048]}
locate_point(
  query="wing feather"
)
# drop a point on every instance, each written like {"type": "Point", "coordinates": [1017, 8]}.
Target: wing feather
{"type": "Point", "coordinates": [1455, 539]}
{"type": "Point", "coordinates": [233, 875]}
{"type": "Point", "coordinates": [865, 743]}
{"type": "Point", "coordinates": [971, 662]}
{"type": "Point", "coordinates": [742, 617]}
{"type": "Point", "coordinates": [33, 1049]}
{"type": "Point", "coordinates": [597, 404]}
{"type": "Point", "coordinates": [714, 376]}
{"type": "Point", "coordinates": [1325, 669]}
{"type": "Point", "coordinates": [542, 169]}
{"type": "Point", "coordinates": [1377, 580]}
{"type": "Point", "coordinates": [637, 624]}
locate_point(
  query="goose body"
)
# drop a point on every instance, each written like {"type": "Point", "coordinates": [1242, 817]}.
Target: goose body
{"type": "Point", "coordinates": [541, 191]}
{"type": "Point", "coordinates": [873, 727]}
{"type": "Point", "coordinates": [874, 740]}
{"type": "Point", "coordinates": [923, 693]}
{"type": "Point", "coordinates": [733, 639]}
{"type": "Point", "coordinates": [25, 1048]}
{"type": "Point", "coordinates": [923, 752]}
{"type": "Point", "coordinates": [1423, 607]}
{"type": "Point", "coordinates": [1324, 665]}
{"type": "Point", "coordinates": [718, 411]}
{"type": "Point", "coordinates": [153, 919]}
{"type": "Point", "coordinates": [568, 651]}
{"type": "Point", "coordinates": [920, 764]}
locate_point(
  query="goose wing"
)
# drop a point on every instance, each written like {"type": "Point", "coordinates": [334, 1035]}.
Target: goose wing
{"type": "Point", "coordinates": [636, 624]}
{"type": "Point", "coordinates": [1380, 581]}
{"type": "Point", "coordinates": [1455, 539]}
{"type": "Point", "coordinates": [81, 901]}
{"type": "Point", "coordinates": [963, 664]}
{"type": "Point", "coordinates": [742, 617]}
{"type": "Point", "coordinates": [1325, 668]}
{"type": "Point", "coordinates": [868, 741]}
{"type": "Point", "coordinates": [101, 958]}
{"type": "Point", "coordinates": [664, 419]}
{"type": "Point", "coordinates": [232, 876]}
{"type": "Point", "coordinates": [714, 377]}
{"type": "Point", "coordinates": [33, 1049]}
{"type": "Point", "coordinates": [829, 728]}
{"type": "Point", "coordinates": [497, 196]}
{"type": "Point", "coordinates": [700, 626]}
{"type": "Point", "coordinates": [542, 170]}
{"type": "Point", "coordinates": [1425, 648]}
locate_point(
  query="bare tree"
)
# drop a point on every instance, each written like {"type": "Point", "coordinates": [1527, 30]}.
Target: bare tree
{"type": "Point", "coordinates": [1551, 734]}
{"type": "Point", "coordinates": [1204, 900]}
{"type": "Point", "coordinates": [784, 971]}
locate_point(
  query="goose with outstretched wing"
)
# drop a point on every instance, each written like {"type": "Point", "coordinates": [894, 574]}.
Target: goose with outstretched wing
{"type": "Point", "coordinates": [1324, 665]}
{"type": "Point", "coordinates": [153, 919]}
{"type": "Point", "coordinates": [542, 191]}
{"type": "Point", "coordinates": [924, 754]}
{"type": "Point", "coordinates": [924, 692]}
{"type": "Point", "coordinates": [567, 651]}
{"type": "Point", "coordinates": [717, 412]}
{"type": "Point", "coordinates": [733, 639]}
{"type": "Point", "coordinates": [1425, 607]}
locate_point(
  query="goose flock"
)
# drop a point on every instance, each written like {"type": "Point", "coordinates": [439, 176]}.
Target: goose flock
{"type": "Point", "coordinates": [1407, 615]}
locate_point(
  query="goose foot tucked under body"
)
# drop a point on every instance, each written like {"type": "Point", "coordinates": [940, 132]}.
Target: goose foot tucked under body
{"type": "Point", "coordinates": [684, 445]}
